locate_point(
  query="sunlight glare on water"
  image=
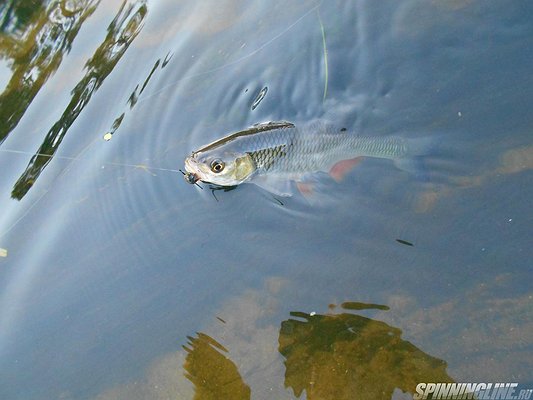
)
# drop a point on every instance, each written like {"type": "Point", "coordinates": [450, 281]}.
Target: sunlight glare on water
{"type": "Point", "coordinates": [118, 280]}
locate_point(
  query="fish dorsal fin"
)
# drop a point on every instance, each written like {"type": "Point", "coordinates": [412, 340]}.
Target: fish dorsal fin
{"type": "Point", "coordinates": [326, 127]}
{"type": "Point", "coordinates": [261, 127]}
{"type": "Point", "coordinates": [266, 126]}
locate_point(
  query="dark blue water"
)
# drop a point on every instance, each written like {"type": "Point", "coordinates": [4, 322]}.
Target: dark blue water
{"type": "Point", "coordinates": [120, 281]}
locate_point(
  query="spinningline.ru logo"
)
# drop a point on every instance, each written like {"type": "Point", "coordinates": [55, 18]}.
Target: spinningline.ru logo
{"type": "Point", "coordinates": [476, 391]}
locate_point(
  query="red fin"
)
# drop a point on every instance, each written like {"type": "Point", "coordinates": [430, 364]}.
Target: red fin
{"type": "Point", "coordinates": [306, 189]}
{"type": "Point", "coordinates": [340, 169]}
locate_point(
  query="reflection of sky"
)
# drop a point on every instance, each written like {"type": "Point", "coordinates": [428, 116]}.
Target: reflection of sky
{"type": "Point", "coordinates": [112, 267]}
{"type": "Point", "coordinates": [4, 74]}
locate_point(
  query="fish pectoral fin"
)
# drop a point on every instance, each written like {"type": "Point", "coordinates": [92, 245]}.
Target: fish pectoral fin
{"type": "Point", "coordinates": [306, 189]}
{"type": "Point", "coordinates": [309, 184]}
{"type": "Point", "coordinates": [341, 168]}
{"type": "Point", "coordinates": [277, 185]}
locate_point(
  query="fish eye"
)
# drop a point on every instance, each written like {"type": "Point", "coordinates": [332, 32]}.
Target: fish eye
{"type": "Point", "coordinates": [217, 165]}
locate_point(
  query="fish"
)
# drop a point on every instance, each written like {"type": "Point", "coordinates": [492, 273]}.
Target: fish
{"type": "Point", "coordinates": [273, 154]}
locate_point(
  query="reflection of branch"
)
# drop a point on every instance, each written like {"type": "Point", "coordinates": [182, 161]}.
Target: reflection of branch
{"type": "Point", "coordinates": [345, 356]}
{"type": "Point", "coordinates": [134, 96]}
{"type": "Point", "coordinates": [37, 42]}
{"type": "Point", "coordinates": [121, 33]}
{"type": "Point", "coordinates": [213, 374]}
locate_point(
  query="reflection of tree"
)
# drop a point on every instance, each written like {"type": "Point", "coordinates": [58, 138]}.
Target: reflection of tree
{"type": "Point", "coordinates": [346, 356]}
{"type": "Point", "coordinates": [35, 36]}
{"type": "Point", "coordinates": [16, 14]}
{"type": "Point", "coordinates": [121, 32]}
{"type": "Point", "coordinates": [213, 374]}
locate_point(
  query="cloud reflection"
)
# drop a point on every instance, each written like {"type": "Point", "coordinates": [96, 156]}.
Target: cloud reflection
{"type": "Point", "coordinates": [511, 161]}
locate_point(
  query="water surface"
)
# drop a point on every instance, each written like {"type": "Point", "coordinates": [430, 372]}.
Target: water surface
{"type": "Point", "coordinates": [118, 280]}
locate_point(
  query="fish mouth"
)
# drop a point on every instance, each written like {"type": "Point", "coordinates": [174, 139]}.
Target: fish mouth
{"type": "Point", "coordinates": [190, 177]}
{"type": "Point", "coordinates": [191, 174]}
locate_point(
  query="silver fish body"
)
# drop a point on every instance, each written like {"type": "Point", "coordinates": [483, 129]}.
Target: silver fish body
{"type": "Point", "coordinates": [271, 154]}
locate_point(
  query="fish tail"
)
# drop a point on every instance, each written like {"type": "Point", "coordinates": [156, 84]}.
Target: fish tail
{"type": "Point", "coordinates": [422, 146]}
{"type": "Point", "coordinates": [416, 166]}
{"type": "Point", "coordinates": [419, 151]}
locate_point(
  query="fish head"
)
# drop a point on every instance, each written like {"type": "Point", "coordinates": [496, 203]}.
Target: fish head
{"type": "Point", "coordinates": [220, 168]}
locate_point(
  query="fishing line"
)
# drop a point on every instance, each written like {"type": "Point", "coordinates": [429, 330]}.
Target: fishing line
{"type": "Point", "coordinates": [173, 84]}
{"type": "Point", "coordinates": [2, 234]}
{"type": "Point", "coordinates": [325, 54]}
{"type": "Point", "coordinates": [257, 50]}
{"type": "Point", "coordinates": [13, 151]}
{"type": "Point", "coordinates": [316, 7]}
{"type": "Point", "coordinates": [116, 164]}
{"type": "Point", "coordinates": [64, 171]}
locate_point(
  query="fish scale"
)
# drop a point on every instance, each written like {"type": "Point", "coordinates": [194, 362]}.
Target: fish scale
{"type": "Point", "coordinates": [292, 150]}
